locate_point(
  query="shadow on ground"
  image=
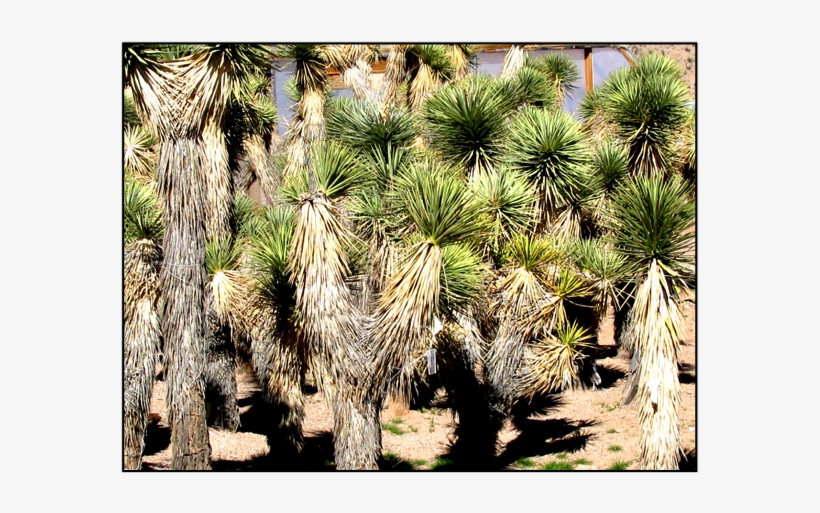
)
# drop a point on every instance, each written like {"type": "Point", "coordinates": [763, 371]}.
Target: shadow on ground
{"type": "Point", "coordinates": [609, 376]}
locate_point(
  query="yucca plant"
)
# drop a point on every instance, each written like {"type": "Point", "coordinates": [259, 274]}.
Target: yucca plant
{"type": "Point", "coordinates": [560, 71]}
{"type": "Point", "coordinates": [423, 67]}
{"type": "Point", "coordinates": [462, 57]}
{"type": "Point", "coordinates": [593, 112]}
{"type": "Point", "coordinates": [141, 324]}
{"type": "Point", "coordinates": [138, 154]}
{"type": "Point", "coordinates": [687, 149]}
{"type": "Point", "coordinates": [329, 322]}
{"type": "Point", "coordinates": [552, 152]}
{"type": "Point", "coordinates": [354, 64]}
{"type": "Point", "coordinates": [307, 127]}
{"type": "Point", "coordinates": [647, 107]}
{"type": "Point", "coordinates": [652, 225]}
{"type": "Point", "coordinates": [610, 167]}
{"type": "Point", "coordinates": [604, 269]}
{"type": "Point", "coordinates": [428, 68]}
{"type": "Point", "coordinates": [466, 122]}
{"type": "Point", "coordinates": [518, 295]}
{"type": "Point", "coordinates": [279, 358]}
{"type": "Point", "coordinates": [513, 61]}
{"type": "Point", "coordinates": [251, 133]}
{"type": "Point", "coordinates": [441, 210]}
{"type": "Point", "coordinates": [376, 220]}
{"type": "Point", "coordinates": [529, 86]}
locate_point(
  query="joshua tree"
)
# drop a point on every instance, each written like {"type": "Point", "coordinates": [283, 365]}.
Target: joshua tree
{"type": "Point", "coordinates": [308, 123]}
{"type": "Point", "coordinates": [181, 101]}
{"type": "Point", "coordinates": [646, 106]}
{"type": "Point", "coordinates": [652, 221]}
{"type": "Point", "coordinates": [142, 258]}
{"type": "Point", "coordinates": [423, 67]}
{"type": "Point", "coordinates": [330, 325]}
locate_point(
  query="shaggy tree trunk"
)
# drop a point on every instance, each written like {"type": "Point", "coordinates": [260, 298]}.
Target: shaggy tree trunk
{"type": "Point", "coordinates": [658, 327]}
{"type": "Point", "coordinates": [140, 344]}
{"type": "Point", "coordinates": [332, 332]}
{"type": "Point", "coordinates": [220, 373]}
{"type": "Point", "coordinates": [183, 278]}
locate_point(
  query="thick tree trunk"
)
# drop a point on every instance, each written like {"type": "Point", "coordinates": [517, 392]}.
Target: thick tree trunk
{"type": "Point", "coordinates": [183, 278]}
{"type": "Point", "coordinates": [357, 435]}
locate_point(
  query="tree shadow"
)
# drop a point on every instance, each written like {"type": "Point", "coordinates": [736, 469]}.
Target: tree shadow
{"type": "Point", "coordinates": [541, 437]}
{"type": "Point", "coordinates": [316, 456]}
{"type": "Point", "coordinates": [609, 376]}
{"type": "Point", "coordinates": [685, 367]}
{"type": "Point", "coordinates": [689, 462]}
{"type": "Point", "coordinates": [687, 379]}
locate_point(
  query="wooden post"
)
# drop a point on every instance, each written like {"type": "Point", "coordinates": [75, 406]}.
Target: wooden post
{"type": "Point", "coordinates": [588, 67]}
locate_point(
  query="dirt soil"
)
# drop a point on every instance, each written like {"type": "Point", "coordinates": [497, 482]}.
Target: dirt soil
{"type": "Point", "coordinates": [591, 430]}
{"type": "Point", "coordinates": [683, 54]}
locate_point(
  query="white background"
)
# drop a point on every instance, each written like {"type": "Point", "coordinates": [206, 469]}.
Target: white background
{"type": "Point", "coordinates": [61, 267]}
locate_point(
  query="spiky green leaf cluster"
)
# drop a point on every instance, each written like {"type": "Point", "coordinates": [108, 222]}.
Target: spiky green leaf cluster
{"type": "Point", "coordinates": [462, 274]}
{"type": "Point", "coordinates": [221, 255]}
{"type": "Point", "coordinates": [438, 203]}
{"type": "Point", "coordinates": [142, 216]}
{"type": "Point", "coordinates": [269, 251]}
{"type": "Point", "coordinates": [647, 107]}
{"type": "Point", "coordinates": [552, 152]}
{"type": "Point", "coordinates": [610, 165]}
{"type": "Point", "coordinates": [530, 252]}
{"type": "Point", "coordinates": [466, 122]}
{"type": "Point", "coordinates": [359, 124]}
{"type": "Point", "coordinates": [507, 200]}
{"type": "Point", "coordinates": [560, 71]}
{"type": "Point", "coordinates": [651, 220]}
{"type": "Point", "coordinates": [336, 171]}
{"type": "Point", "coordinates": [529, 86]}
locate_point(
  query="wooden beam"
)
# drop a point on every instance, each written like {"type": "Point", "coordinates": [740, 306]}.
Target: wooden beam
{"type": "Point", "coordinates": [588, 67]}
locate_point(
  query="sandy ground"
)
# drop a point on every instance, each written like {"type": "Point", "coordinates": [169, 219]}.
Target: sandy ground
{"type": "Point", "coordinates": [683, 54]}
{"type": "Point", "coordinates": [589, 431]}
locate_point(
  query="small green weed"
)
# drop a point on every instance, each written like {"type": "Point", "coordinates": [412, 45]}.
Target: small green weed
{"type": "Point", "coordinates": [610, 407]}
{"type": "Point", "coordinates": [392, 428]}
{"type": "Point", "coordinates": [620, 465]}
{"type": "Point", "coordinates": [612, 431]}
{"type": "Point", "coordinates": [397, 420]}
{"type": "Point", "coordinates": [413, 429]}
{"type": "Point", "coordinates": [559, 465]}
{"type": "Point", "coordinates": [582, 461]}
{"type": "Point", "coordinates": [561, 456]}
{"type": "Point", "coordinates": [524, 462]}
{"type": "Point", "coordinates": [441, 463]}
{"type": "Point", "coordinates": [615, 448]}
